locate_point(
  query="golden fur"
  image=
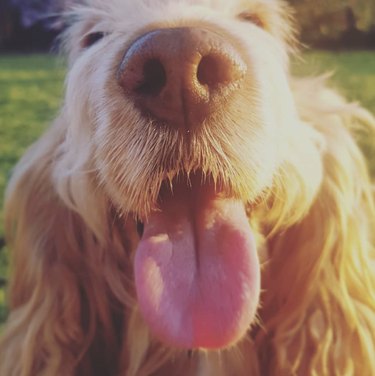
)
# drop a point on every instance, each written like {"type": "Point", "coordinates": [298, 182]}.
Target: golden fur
{"type": "Point", "coordinates": [72, 300]}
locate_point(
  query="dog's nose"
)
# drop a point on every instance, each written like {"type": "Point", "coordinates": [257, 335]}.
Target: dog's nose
{"type": "Point", "coordinates": [181, 76]}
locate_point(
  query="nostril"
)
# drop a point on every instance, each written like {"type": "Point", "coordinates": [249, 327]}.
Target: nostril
{"type": "Point", "coordinates": [154, 78]}
{"type": "Point", "coordinates": [214, 70]}
{"type": "Point", "coordinates": [180, 76]}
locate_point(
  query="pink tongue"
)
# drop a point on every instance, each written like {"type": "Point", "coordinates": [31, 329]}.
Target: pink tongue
{"type": "Point", "coordinates": [197, 271]}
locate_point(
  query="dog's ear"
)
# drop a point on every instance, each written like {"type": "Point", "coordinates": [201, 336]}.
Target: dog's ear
{"type": "Point", "coordinates": [83, 27]}
{"type": "Point", "coordinates": [320, 280]}
{"type": "Point", "coordinates": [65, 276]}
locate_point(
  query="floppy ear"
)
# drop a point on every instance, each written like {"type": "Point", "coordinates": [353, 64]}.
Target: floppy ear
{"type": "Point", "coordinates": [70, 285]}
{"type": "Point", "coordinates": [319, 305]}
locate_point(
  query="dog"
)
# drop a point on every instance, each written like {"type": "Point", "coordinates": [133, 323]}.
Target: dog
{"type": "Point", "coordinates": [194, 209]}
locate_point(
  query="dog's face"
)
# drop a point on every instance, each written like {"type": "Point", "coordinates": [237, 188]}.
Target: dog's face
{"type": "Point", "coordinates": [184, 111]}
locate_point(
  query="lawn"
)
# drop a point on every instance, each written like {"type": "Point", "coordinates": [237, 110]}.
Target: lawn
{"type": "Point", "coordinates": [31, 90]}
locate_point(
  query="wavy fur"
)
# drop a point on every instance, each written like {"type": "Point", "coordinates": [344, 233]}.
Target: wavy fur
{"type": "Point", "coordinates": [73, 236]}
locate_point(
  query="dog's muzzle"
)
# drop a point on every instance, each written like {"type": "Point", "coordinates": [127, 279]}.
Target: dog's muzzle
{"type": "Point", "coordinates": [180, 76]}
{"type": "Point", "coordinates": [196, 267]}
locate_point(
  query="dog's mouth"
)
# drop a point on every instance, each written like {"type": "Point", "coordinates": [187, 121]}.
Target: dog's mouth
{"type": "Point", "coordinates": [196, 267]}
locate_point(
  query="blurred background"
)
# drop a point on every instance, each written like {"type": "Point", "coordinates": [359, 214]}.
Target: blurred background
{"type": "Point", "coordinates": [336, 24]}
{"type": "Point", "coordinates": [25, 26]}
{"type": "Point", "coordinates": [338, 35]}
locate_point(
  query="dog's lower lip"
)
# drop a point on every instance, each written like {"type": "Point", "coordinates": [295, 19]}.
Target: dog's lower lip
{"type": "Point", "coordinates": [192, 184]}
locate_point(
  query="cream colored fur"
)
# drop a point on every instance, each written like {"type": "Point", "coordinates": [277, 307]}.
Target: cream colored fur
{"type": "Point", "coordinates": [289, 153]}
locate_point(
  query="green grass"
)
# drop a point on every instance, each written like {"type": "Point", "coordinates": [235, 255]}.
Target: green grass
{"type": "Point", "coordinates": [31, 92]}
{"type": "Point", "coordinates": [353, 73]}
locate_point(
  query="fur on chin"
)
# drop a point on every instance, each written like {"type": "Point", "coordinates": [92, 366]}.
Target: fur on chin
{"type": "Point", "coordinates": [289, 154]}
